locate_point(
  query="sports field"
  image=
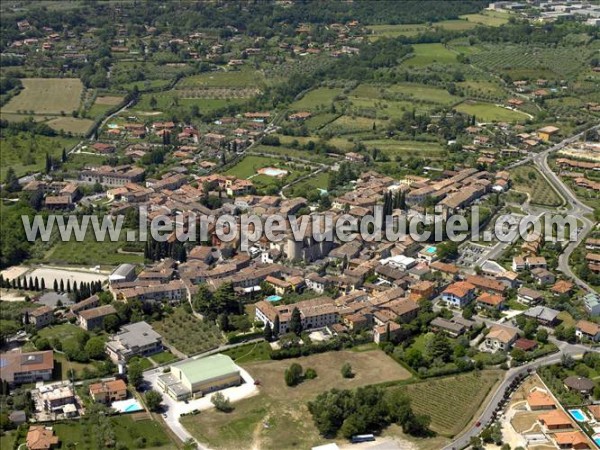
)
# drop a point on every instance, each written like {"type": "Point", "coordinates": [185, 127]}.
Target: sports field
{"type": "Point", "coordinates": [47, 96]}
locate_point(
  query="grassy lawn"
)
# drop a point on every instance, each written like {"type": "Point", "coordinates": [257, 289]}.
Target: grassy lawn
{"type": "Point", "coordinates": [27, 154]}
{"type": "Point", "coordinates": [529, 180]}
{"type": "Point", "coordinates": [418, 149]}
{"type": "Point", "coordinates": [250, 164]}
{"type": "Point", "coordinates": [488, 18]}
{"type": "Point", "coordinates": [7, 439]}
{"type": "Point", "coordinates": [482, 87]}
{"type": "Point", "coordinates": [47, 96]}
{"type": "Point", "coordinates": [488, 112]}
{"type": "Point", "coordinates": [427, 54]}
{"type": "Point", "coordinates": [318, 97]}
{"type": "Point", "coordinates": [90, 252]}
{"type": "Point", "coordinates": [284, 408]}
{"type": "Point", "coordinates": [261, 351]}
{"type": "Point", "coordinates": [425, 93]}
{"type": "Point", "coordinates": [188, 334]}
{"type": "Point", "coordinates": [319, 181]}
{"type": "Point", "coordinates": [451, 402]}
{"type": "Point", "coordinates": [163, 357]}
{"type": "Point", "coordinates": [392, 31]}
{"type": "Point", "coordinates": [349, 124]}
{"type": "Point", "coordinates": [71, 125]}
{"type": "Point", "coordinates": [176, 98]}
{"type": "Point", "coordinates": [126, 430]}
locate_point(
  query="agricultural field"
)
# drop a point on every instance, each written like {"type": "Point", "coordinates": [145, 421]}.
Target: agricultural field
{"type": "Point", "coordinates": [482, 88]}
{"type": "Point", "coordinates": [102, 104]}
{"type": "Point", "coordinates": [451, 402]}
{"type": "Point", "coordinates": [233, 78]}
{"type": "Point", "coordinates": [71, 125]}
{"type": "Point", "coordinates": [168, 100]}
{"type": "Point", "coordinates": [284, 408]}
{"type": "Point", "coordinates": [27, 154]}
{"type": "Point", "coordinates": [393, 31]}
{"type": "Point", "coordinates": [529, 180]}
{"type": "Point", "coordinates": [429, 54]}
{"type": "Point", "coordinates": [349, 125]}
{"type": "Point", "coordinates": [46, 96]}
{"type": "Point", "coordinates": [320, 97]}
{"type": "Point", "coordinates": [248, 166]}
{"type": "Point", "coordinates": [488, 112]}
{"type": "Point", "coordinates": [527, 62]}
{"type": "Point", "coordinates": [187, 333]}
{"type": "Point", "coordinates": [417, 149]}
{"type": "Point", "coordinates": [424, 93]}
{"type": "Point", "coordinates": [487, 18]}
{"type": "Point", "coordinates": [132, 431]}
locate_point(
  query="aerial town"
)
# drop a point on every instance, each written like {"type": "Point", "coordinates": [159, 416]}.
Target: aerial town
{"type": "Point", "coordinates": [201, 240]}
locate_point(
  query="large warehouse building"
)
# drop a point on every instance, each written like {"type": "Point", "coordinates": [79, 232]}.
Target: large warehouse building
{"type": "Point", "coordinates": [197, 377]}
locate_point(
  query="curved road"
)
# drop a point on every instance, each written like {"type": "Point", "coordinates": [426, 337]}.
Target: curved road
{"type": "Point", "coordinates": [486, 416]}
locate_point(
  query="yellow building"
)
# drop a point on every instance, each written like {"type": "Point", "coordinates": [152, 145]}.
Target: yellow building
{"type": "Point", "coordinates": [547, 132]}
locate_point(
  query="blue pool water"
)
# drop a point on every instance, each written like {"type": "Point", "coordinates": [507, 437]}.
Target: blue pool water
{"type": "Point", "coordinates": [578, 415]}
{"type": "Point", "coordinates": [273, 298]}
{"type": "Point", "coordinates": [597, 439]}
{"type": "Point", "coordinates": [133, 408]}
{"type": "Point", "coordinates": [430, 250]}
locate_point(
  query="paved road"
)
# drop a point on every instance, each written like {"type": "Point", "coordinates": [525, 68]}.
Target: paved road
{"type": "Point", "coordinates": [463, 440]}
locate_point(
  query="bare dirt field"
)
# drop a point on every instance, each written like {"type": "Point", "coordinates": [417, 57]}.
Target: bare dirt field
{"type": "Point", "coordinates": [51, 274]}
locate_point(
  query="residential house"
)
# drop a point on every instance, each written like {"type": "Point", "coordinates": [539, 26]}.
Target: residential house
{"type": "Point", "coordinates": [546, 133]}
{"type": "Point", "coordinates": [380, 333]}
{"type": "Point", "coordinates": [543, 276]}
{"type": "Point", "coordinates": [575, 440]}
{"type": "Point", "coordinates": [41, 317]}
{"type": "Point", "coordinates": [490, 301]}
{"type": "Point", "coordinates": [20, 368]}
{"type": "Point", "coordinates": [529, 296]}
{"type": "Point", "coordinates": [583, 385]}
{"type": "Point", "coordinates": [40, 437]}
{"type": "Point", "coordinates": [543, 315]}
{"type": "Point", "coordinates": [135, 339]}
{"type": "Point", "coordinates": [500, 338]}
{"type": "Point", "coordinates": [555, 420]}
{"type": "Point", "coordinates": [108, 391]}
{"type": "Point", "coordinates": [540, 400]}
{"type": "Point", "coordinates": [562, 287]}
{"type": "Point", "coordinates": [585, 329]}
{"type": "Point", "coordinates": [459, 294]}
{"type": "Point", "coordinates": [93, 318]}
{"type": "Point", "coordinates": [591, 303]}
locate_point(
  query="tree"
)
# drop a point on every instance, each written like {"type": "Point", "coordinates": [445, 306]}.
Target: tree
{"type": "Point", "coordinates": [310, 374]}
{"type": "Point", "coordinates": [296, 322]}
{"type": "Point", "coordinates": [94, 348]}
{"type": "Point", "coordinates": [111, 323]}
{"type": "Point", "coordinates": [542, 336]}
{"type": "Point", "coordinates": [135, 373]}
{"type": "Point", "coordinates": [221, 402]}
{"type": "Point", "coordinates": [11, 182]}
{"type": "Point", "coordinates": [55, 285]}
{"type": "Point", "coordinates": [153, 102]}
{"type": "Point", "coordinates": [268, 332]}
{"type": "Point", "coordinates": [153, 400]}
{"type": "Point", "coordinates": [347, 371]}
{"type": "Point", "coordinates": [276, 326]}
{"type": "Point", "coordinates": [293, 374]}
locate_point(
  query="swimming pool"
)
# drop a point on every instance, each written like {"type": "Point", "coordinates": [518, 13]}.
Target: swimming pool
{"type": "Point", "coordinates": [430, 250]}
{"type": "Point", "coordinates": [127, 406]}
{"type": "Point", "coordinates": [578, 415]}
{"type": "Point", "coordinates": [273, 298]}
{"type": "Point", "coordinates": [596, 439]}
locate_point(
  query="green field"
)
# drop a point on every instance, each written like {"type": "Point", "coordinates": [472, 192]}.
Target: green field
{"type": "Point", "coordinates": [27, 154]}
{"type": "Point", "coordinates": [488, 18]}
{"type": "Point", "coordinates": [188, 334]}
{"type": "Point", "coordinates": [425, 93]}
{"type": "Point", "coordinates": [319, 97]}
{"type": "Point", "coordinates": [392, 31]}
{"type": "Point", "coordinates": [47, 96]}
{"type": "Point", "coordinates": [451, 402]}
{"type": "Point", "coordinates": [349, 124]}
{"type": "Point", "coordinates": [481, 87]}
{"type": "Point", "coordinates": [70, 125]}
{"type": "Point", "coordinates": [249, 165]}
{"type": "Point", "coordinates": [418, 149]}
{"type": "Point", "coordinates": [319, 181]}
{"type": "Point", "coordinates": [163, 357]}
{"type": "Point", "coordinates": [91, 252]}
{"type": "Point", "coordinates": [235, 78]}
{"type": "Point", "coordinates": [165, 101]}
{"type": "Point", "coordinates": [261, 351]}
{"type": "Point", "coordinates": [529, 180]}
{"type": "Point", "coordinates": [126, 430]}
{"type": "Point", "coordinates": [428, 54]}
{"type": "Point", "coordinates": [488, 112]}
